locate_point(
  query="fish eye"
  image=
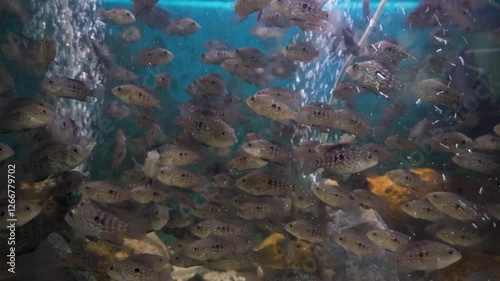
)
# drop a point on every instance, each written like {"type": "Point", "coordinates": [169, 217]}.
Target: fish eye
{"type": "Point", "coordinates": [27, 208]}
{"type": "Point", "coordinates": [286, 48]}
{"type": "Point", "coordinates": [304, 49]}
{"type": "Point", "coordinates": [44, 111]}
{"type": "Point", "coordinates": [127, 14]}
{"type": "Point", "coordinates": [193, 23]}
{"type": "Point", "coordinates": [198, 227]}
{"type": "Point", "coordinates": [450, 253]}
{"type": "Point", "coordinates": [137, 270]}
{"type": "Point", "coordinates": [464, 142]}
{"type": "Point", "coordinates": [76, 150]}
{"type": "Point", "coordinates": [63, 124]}
{"type": "Point", "coordinates": [244, 180]}
{"type": "Point", "coordinates": [101, 43]}
{"type": "Point", "coordinates": [71, 214]}
{"type": "Point", "coordinates": [1, 149]}
{"type": "Point", "coordinates": [223, 133]}
{"type": "Point", "coordinates": [119, 89]}
{"type": "Point", "coordinates": [252, 99]}
{"type": "Point", "coordinates": [355, 66]}
{"type": "Point", "coordinates": [195, 249]}
{"type": "Point", "coordinates": [51, 82]}
{"type": "Point", "coordinates": [111, 268]}
{"type": "Point", "coordinates": [370, 156]}
{"type": "Point", "coordinates": [162, 172]}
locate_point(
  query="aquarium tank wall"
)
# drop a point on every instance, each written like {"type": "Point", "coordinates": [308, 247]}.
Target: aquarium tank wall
{"type": "Point", "coordinates": [154, 140]}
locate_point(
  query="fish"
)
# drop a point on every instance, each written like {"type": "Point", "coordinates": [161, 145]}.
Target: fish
{"type": "Point", "coordinates": [157, 215]}
{"type": "Point", "coordinates": [217, 228]}
{"type": "Point", "coordinates": [426, 255]}
{"type": "Point", "coordinates": [385, 52]}
{"type": "Point", "coordinates": [67, 88]}
{"type": "Point", "coordinates": [103, 53]}
{"type": "Point", "coordinates": [423, 209]}
{"type": "Point", "coordinates": [426, 14]}
{"type": "Point", "coordinates": [24, 114]}
{"type": "Point", "coordinates": [286, 95]}
{"type": "Point", "coordinates": [458, 14]}
{"type": "Point", "coordinates": [376, 78]}
{"type": "Point", "coordinates": [212, 83]}
{"type": "Point", "coordinates": [64, 130]}
{"type": "Point", "coordinates": [399, 142]}
{"type": "Point", "coordinates": [350, 43]}
{"type": "Point", "coordinates": [453, 142]}
{"type": "Point", "coordinates": [207, 128]}
{"type": "Point", "coordinates": [324, 116]}
{"type": "Point", "coordinates": [117, 16]}
{"type": "Point", "coordinates": [356, 242]}
{"type": "Point", "coordinates": [367, 199]}
{"type": "Point", "coordinates": [146, 194]}
{"type": "Point", "coordinates": [54, 158]}
{"type": "Point", "coordinates": [301, 51]}
{"type": "Point", "coordinates": [7, 85]}
{"type": "Point", "coordinates": [265, 32]}
{"type": "Point", "coordinates": [131, 270]}
{"type": "Point", "coordinates": [379, 150]}
{"type": "Point", "coordinates": [250, 57]}
{"type": "Point", "coordinates": [478, 162]}
{"type": "Point", "coordinates": [255, 210]}
{"type": "Point", "coordinates": [131, 34]}
{"type": "Point", "coordinates": [183, 27]}
{"type": "Point", "coordinates": [154, 57]}
{"type": "Point", "coordinates": [96, 222]}
{"type": "Point", "coordinates": [216, 56]}
{"type": "Point", "coordinates": [16, 9]}
{"type": "Point", "coordinates": [172, 155]}
{"type": "Point", "coordinates": [366, 9]}
{"type": "Point", "coordinates": [105, 192]}
{"type": "Point", "coordinates": [343, 158]}
{"type": "Point", "coordinates": [122, 74]}
{"type": "Point", "coordinates": [120, 150]}
{"type": "Point", "coordinates": [224, 180]}
{"type": "Point", "coordinates": [344, 90]}
{"type": "Point", "coordinates": [135, 95]}
{"type": "Point", "coordinates": [217, 45]}
{"type": "Point", "coordinates": [266, 182]}
{"type": "Point", "coordinates": [179, 220]}
{"type": "Point", "coordinates": [459, 236]}
{"type": "Point", "coordinates": [5, 151]}
{"type": "Point", "coordinates": [212, 248]}
{"type": "Point", "coordinates": [487, 142]}
{"type": "Point", "coordinates": [454, 205]}
{"type": "Point", "coordinates": [407, 179]}
{"type": "Point", "coordinates": [163, 80]}
{"type": "Point", "coordinates": [282, 66]}
{"type": "Point", "coordinates": [246, 7]}
{"type": "Point", "coordinates": [157, 18]}
{"type": "Point", "coordinates": [270, 107]}
{"type": "Point", "coordinates": [32, 55]}
{"type": "Point", "coordinates": [244, 161]}
{"type": "Point", "coordinates": [25, 211]}
{"type": "Point", "coordinates": [390, 240]}
{"type": "Point", "coordinates": [333, 197]}
{"type": "Point", "coordinates": [301, 10]}
{"type": "Point", "coordinates": [438, 92]}
{"type": "Point", "coordinates": [310, 231]}
{"type": "Point", "coordinates": [179, 177]}
{"type": "Point", "coordinates": [268, 151]}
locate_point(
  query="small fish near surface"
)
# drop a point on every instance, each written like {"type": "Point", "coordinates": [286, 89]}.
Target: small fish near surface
{"type": "Point", "coordinates": [135, 95]}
